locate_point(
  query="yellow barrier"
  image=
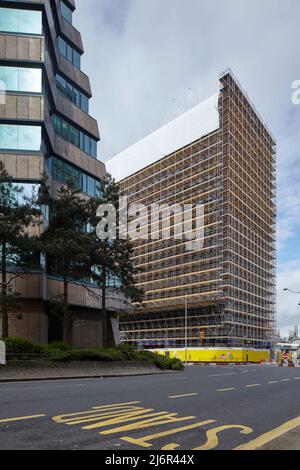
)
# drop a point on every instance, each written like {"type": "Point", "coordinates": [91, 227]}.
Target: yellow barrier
{"type": "Point", "coordinates": [218, 355]}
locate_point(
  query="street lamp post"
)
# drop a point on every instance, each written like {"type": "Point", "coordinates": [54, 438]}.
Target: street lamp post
{"type": "Point", "coordinates": [186, 329]}
{"type": "Point", "coordinates": [292, 291]}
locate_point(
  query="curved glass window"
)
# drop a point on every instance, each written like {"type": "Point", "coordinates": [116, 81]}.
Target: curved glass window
{"type": "Point", "coordinates": [63, 171]}
{"type": "Point", "coordinates": [13, 20]}
{"type": "Point", "coordinates": [21, 79]}
{"type": "Point", "coordinates": [71, 93]}
{"type": "Point", "coordinates": [74, 136]}
{"type": "Point", "coordinates": [66, 12]}
{"type": "Point", "coordinates": [28, 138]}
{"type": "Point", "coordinates": [69, 53]}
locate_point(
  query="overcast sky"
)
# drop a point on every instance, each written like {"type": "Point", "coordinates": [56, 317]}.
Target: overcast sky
{"type": "Point", "coordinates": [150, 60]}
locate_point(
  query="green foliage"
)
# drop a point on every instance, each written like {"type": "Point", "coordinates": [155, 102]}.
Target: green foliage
{"type": "Point", "coordinates": [17, 248]}
{"type": "Point", "coordinates": [90, 355]}
{"type": "Point", "coordinates": [174, 364]}
{"type": "Point", "coordinates": [56, 348]}
{"type": "Point", "coordinates": [65, 244]}
{"type": "Point", "coordinates": [60, 346]}
{"type": "Point", "coordinates": [111, 257]}
{"type": "Point", "coordinates": [22, 349]}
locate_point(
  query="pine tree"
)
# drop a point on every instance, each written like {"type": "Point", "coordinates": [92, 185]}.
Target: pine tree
{"type": "Point", "coordinates": [111, 259]}
{"type": "Point", "coordinates": [66, 244]}
{"type": "Point", "coordinates": [18, 250]}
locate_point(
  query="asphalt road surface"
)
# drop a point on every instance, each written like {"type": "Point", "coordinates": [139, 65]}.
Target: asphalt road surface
{"type": "Point", "coordinates": [200, 408]}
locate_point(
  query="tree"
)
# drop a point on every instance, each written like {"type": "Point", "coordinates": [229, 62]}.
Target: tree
{"type": "Point", "coordinates": [111, 259]}
{"type": "Point", "coordinates": [66, 245]}
{"type": "Point", "coordinates": [18, 254]}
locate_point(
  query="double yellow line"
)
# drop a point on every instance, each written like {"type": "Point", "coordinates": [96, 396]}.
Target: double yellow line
{"type": "Point", "coordinates": [21, 418]}
{"type": "Point", "coordinates": [270, 436]}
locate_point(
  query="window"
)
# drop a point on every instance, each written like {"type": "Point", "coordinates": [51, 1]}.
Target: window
{"type": "Point", "coordinates": [84, 103]}
{"type": "Point", "coordinates": [25, 190]}
{"type": "Point", "coordinates": [62, 171]}
{"type": "Point", "coordinates": [74, 136]}
{"type": "Point", "coordinates": [21, 79]}
{"type": "Point", "coordinates": [20, 21]}
{"type": "Point", "coordinates": [114, 281]}
{"type": "Point", "coordinates": [72, 94]}
{"type": "Point", "coordinates": [66, 12]}
{"type": "Point", "coordinates": [14, 137]}
{"type": "Point", "coordinates": [62, 45]}
{"type": "Point", "coordinates": [69, 53]}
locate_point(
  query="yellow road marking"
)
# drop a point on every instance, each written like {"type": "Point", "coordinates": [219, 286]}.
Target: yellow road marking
{"type": "Point", "coordinates": [226, 389]}
{"type": "Point", "coordinates": [253, 385]}
{"type": "Point", "coordinates": [212, 436]}
{"type": "Point", "coordinates": [96, 413]}
{"type": "Point", "coordinates": [105, 416]}
{"type": "Point", "coordinates": [124, 418]}
{"type": "Point", "coordinates": [171, 447]}
{"type": "Point", "coordinates": [270, 436]}
{"type": "Point", "coordinates": [144, 441]}
{"type": "Point", "coordinates": [116, 404]}
{"type": "Point", "coordinates": [22, 418]}
{"type": "Point", "coordinates": [182, 396]}
{"type": "Point", "coordinates": [148, 423]}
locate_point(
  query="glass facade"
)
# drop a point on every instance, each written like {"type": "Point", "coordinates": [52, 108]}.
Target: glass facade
{"type": "Point", "coordinates": [69, 53]}
{"type": "Point", "coordinates": [14, 137]}
{"type": "Point", "coordinates": [21, 79]}
{"type": "Point", "coordinates": [114, 282]}
{"type": "Point", "coordinates": [74, 136]}
{"type": "Point", "coordinates": [25, 191]}
{"type": "Point", "coordinates": [20, 21]}
{"type": "Point", "coordinates": [66, 12]}
{"type": "Point", "coordinates": [63, 171]}
{"type": "Point", "coordinates": [74, 95]}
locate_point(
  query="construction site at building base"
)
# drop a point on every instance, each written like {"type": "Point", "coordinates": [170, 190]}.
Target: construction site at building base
{"type": "Point", "coordinates": [217, 355]}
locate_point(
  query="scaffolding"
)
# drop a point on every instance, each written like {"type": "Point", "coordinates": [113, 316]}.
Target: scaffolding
{"type": "Point", "coordinates": [230, 283]}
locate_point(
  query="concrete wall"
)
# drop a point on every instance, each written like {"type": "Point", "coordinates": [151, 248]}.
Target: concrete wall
{"type": "Point", "coordinates": [30, 322]}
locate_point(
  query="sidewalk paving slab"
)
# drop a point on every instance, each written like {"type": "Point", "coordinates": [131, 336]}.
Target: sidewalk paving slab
{"type": "Point", "coordinates": [288, 441]}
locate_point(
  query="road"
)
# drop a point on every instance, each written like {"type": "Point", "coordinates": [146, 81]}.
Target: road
{"type": "Point", "coordinates": [200, 408]}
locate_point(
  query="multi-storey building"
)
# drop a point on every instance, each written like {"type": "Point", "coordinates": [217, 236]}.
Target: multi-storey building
{"type": "Point", "coordinates": [221, 155]}
{"type": "Point", "coordinates": [45, 127]}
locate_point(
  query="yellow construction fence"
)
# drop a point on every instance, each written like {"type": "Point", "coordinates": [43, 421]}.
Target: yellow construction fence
{"type": "Point", "coordinates": [217, 355]}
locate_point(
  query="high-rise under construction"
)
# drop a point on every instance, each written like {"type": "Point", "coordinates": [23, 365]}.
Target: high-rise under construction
{"type": "Point", "coordinates": [221, 155]}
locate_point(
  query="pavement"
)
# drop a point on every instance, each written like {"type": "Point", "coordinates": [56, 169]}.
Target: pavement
{"type": "Point", "coordinates": [288, 441]}
{"type": "Point", "coordinates": [201, 408]}
{"type": "Point", "coordinates": [19, 371]}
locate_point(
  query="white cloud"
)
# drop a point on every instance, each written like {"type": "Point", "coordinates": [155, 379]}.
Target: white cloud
{"type": "Point", "coordinates": [148, 59]}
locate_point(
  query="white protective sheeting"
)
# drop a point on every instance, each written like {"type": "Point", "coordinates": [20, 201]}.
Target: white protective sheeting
{"type": "Point", "coordinates": [185, 129]}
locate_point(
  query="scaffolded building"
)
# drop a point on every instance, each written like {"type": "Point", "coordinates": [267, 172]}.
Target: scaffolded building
{"type": "Point", "coordinates": [219, 154]}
